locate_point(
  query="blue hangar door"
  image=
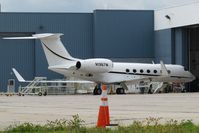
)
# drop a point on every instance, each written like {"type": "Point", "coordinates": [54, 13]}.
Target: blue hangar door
{"type": "Point", "coordinates": [18, 54]}
{"type": "Point", "coordinates": [194, 56]}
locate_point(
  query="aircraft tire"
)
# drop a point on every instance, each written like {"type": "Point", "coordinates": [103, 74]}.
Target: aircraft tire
{"type": "Point", "coordinates": [120, 91]}
{"type": "Point", "coordinates": [97, 91]}
{"type": "Point", "coordinates": [39, 94]}
{"type": "Point", "coordinates": [45, 93]}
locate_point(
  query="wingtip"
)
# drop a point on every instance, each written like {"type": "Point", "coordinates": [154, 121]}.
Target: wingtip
{"type": "Point", "coordinates": [18, 76]}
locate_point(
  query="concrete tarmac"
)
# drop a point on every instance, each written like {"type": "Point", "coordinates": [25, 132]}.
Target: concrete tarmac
{"type": "Point", "coordinates": [124, 109]}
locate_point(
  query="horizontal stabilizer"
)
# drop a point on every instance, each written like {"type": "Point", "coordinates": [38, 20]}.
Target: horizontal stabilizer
{"type": "Point", "coordinates": [54, 50]}
{"type": "Point", "coordinates": [19, 77]}
{"type": "Point", "coordinates": [31, 37]}
{"type": "Point", "coordinates": [36, 36]}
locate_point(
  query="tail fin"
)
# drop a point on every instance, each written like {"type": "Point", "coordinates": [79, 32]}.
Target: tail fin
{"type": "Point", "coordinates": [55, 52]}
{"type": "Point", "coordinates": [18, 76]}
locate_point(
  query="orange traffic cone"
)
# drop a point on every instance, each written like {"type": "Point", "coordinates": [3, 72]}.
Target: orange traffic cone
{"type": "Point", "coordinates": [103, 116]}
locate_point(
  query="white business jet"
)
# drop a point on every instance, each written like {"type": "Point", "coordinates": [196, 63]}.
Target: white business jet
{"type": "Point", "coordinates": [105, 71]}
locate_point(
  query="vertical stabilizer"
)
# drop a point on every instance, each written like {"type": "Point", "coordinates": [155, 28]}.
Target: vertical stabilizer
{"type": "Point", "coordinates": [55, 52]}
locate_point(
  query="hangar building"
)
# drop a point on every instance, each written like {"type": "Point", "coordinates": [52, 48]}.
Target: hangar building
{"type": "Point", "coordinates": [120, 35]}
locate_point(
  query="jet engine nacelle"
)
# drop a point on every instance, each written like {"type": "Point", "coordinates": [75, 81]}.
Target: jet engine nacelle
{"type": "Point", "coordinates": [95, 65]}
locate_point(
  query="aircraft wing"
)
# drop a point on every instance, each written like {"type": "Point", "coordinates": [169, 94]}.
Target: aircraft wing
{"type": "Point", "coordinates": [145, 79]}
{"type": "Point", "coordinates": [71, 66]}
{"type": "Point", "coordinates": [21, 79]}
{"type": "Point", "coordinates": [138, 80]}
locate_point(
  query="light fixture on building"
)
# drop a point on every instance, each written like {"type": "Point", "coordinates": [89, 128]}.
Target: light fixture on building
{"type": "Point", "coordinates": [168, 17]}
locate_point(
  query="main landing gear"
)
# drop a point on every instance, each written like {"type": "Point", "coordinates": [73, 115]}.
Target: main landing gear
{"type": "Point", "coordinates": [120, 91]}
{"type": "Point", "coordinates": [97, 90]}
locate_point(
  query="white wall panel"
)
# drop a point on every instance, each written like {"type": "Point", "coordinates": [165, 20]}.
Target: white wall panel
{"type": "Point", "coordinates": [179, 16]}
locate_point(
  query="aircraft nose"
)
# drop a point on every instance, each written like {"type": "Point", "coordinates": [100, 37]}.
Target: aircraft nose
{"type": "Point", "coordinates": [192, 76]}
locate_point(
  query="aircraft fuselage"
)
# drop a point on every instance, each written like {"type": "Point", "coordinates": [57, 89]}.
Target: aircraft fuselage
{"type": "Point", "coordinates": [124, 72]}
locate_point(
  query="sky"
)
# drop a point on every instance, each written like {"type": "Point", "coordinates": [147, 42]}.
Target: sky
{"type": "Point", "coordinates": [86, 5]}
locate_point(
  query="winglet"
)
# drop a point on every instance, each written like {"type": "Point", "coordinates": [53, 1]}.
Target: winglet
{"type": "Point", "coordinates": [163, 69]}
{"type": "Point", "coordinates": [19, 77]}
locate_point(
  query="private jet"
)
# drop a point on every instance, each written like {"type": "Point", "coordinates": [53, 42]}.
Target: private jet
{"type": "Point", "coordinates": [105, 71]}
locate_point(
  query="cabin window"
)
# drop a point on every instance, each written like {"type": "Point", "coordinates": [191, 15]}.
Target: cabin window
{"type": "Point", "coordinates": [127, 70]}
{"type": "Point", "coordinates": [148, 71]}
{"type": "Point", "coordinates": [89, 75]}
{"type": "Point", "coordinates": [141, 71]}
{"type": "Point", "coordinates": [169, 71]}
{"type": "Point", "coordinates": [134, 70]}
{"type": "Point", "coordinates": [155, 71]}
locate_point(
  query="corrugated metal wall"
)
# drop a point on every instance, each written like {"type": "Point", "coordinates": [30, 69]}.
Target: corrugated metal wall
{"type": "Point", "coordinates": [124, 34]}
{"type": "Point", "coordinates": [18, 54]}
{"type": "Point", "coordinates": [163, 45]}
{"type": "Point", "coordinates": [171, 46]}
{"type": "Point", "coordinates": [181, 46]}
{"type": "Point", "coordinates": [110, 34]}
